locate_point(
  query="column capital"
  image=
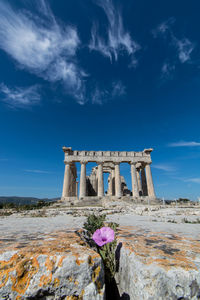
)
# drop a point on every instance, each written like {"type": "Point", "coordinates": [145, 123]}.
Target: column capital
{"type": "Point", "coordinates": [143, 165]}
{"type": "Point", "coordinates": [83, 162]}
{"type": "Point", "coordinates": [133, 163]}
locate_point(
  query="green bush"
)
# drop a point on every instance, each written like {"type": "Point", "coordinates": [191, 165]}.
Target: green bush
{"type": "Point", "coordinates": [93, 223]}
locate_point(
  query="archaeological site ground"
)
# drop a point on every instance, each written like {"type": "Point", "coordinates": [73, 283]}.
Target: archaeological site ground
{"type": "Point", "coordinates": [43, 254]}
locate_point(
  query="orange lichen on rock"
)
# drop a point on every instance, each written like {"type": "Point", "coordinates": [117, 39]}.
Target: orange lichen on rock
{"type": "Point", "coordinates": [61, 261]}
{"type": "Point", "coordinates": [46, 253]}
{"type": "Point", "coordinates": [95, 274]}
{"type": "Point", "coordinates": [25, 269]}
{"type": "Point", "coordinates": [80, 297]}
{"type": "Point", "coordinates": [161, 248]}
{"type": "Point", "coordinates": [56, 282]}
{"type": "Point", "coordinates": [79, 261]}
{"type": "Point", "coordinates": [45, 280]}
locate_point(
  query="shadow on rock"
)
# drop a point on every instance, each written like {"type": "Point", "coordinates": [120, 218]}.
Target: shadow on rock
{"type": "Point", "coordinates": [112, 292]}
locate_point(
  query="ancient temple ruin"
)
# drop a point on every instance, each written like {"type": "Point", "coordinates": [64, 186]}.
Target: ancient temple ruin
{"type": "Point", "coordinates": [107, 162]}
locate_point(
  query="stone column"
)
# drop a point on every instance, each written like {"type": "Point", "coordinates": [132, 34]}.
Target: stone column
{"type": "Point", "coordinates": [135, 189]}
{"type": "Point", "coordinates": [76, 188]}
{"type": "Point", "coordinates": [139, 181]}
{"type": "Point", "coordinates": [100, 180]}
{"type": "Point", "coordinates": [118, 191]}
{"type": "Point", "coordinates": [66, 183]}
{"type": "Point", "coordinates": [82, 192]}
{"type": "Point", "coordinates": [113, 182]}
{"type": "Point", "coordinates": [110, 185]}
{"type": "Point", "coordinates": [144, 183]}
{"type": "Point", "coordinates": [150, 187]}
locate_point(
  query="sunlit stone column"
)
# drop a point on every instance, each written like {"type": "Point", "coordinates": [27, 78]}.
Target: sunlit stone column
{"type": "Point", "coordinates": [139, 181]}
{"type": "Point", "coordinates": [66, 183]}
{"type": "Point", "coordinates": [118, 191]}
{"type": "Point", "coordinates": [150, 187]}
{"type": "Point", "coordinates": [100, 180]}
{"type": "Point", "coordinates": [82, 192]}
{"type": "Point", "coordinates": [110, 185]}
{"type": "Point", "coordinates": [135, 190]}
{"type": "Point", "coordinates": [144, 183]}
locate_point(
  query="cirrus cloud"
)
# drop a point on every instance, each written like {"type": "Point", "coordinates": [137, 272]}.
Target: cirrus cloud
{"type": "Point", "coordinates": [42, 46]}
{"type": "Point", "coordinates": [164, 167]}
{"type": "Point", "coordinates": [100, 96]}
{"type": "Point", "coordinates": [118, 39]}
{"type": "Point", "coordinates": [194, 180]}
{"type": "Point", "coordinates": [184, 144]}
{"type": "Point", "coordinates": [20, 97]}
{"type": "Point", "coordinates": [183, 46]}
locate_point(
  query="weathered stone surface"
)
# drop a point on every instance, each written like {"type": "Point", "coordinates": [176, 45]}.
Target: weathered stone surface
{"type": "Point", "coordinates": [155, 266]}
{"type": "Point", "coordinates": [153, 263]}
{"type": "Point", "coordinates": [53, 266]}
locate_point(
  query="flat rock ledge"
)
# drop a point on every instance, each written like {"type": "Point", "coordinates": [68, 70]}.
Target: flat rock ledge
{"type": "Point", "coordinates": [157, 266]}
{"type": "Point", "coordinates": [53, 266]}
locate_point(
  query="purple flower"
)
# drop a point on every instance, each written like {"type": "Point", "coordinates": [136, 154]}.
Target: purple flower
{"type": "Point", "coordinates": [103, 236]}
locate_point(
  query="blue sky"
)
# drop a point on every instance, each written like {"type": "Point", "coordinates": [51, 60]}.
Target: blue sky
{"type": "Point", "coordinates": [99, 75]}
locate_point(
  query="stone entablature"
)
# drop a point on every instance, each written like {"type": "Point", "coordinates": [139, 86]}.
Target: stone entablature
{"type": "Point", "coordinates": [107, 162]}
{"type": "Point", "coordinates": [107, 156]}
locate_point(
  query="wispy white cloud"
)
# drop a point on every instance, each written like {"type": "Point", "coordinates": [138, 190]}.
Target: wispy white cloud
{"type": "Point", "coordinates": [118, 89]}
{"type": "Point", "coordinates": [118, 39]}
{"type": "Point", "coordinates": [184, 144]}
{"type": "Point", "coordinates": [194, 180]}
{"type": "Point", "coordinates": [20, 97]}
{"type": "Point", "coordinates": [100, 96]}
{"type": "Point", "coordinates": [164, 167]}
{"type": "Point", "coordinates": [163, 27]}
{"type": "Point", "coordinates": [42, 46]}
{"type": "Point", "coordinates": [183, 46]}
{"type": "Point", "coordinates": [167, 70]}
{"type": "Point", "coordinates": [38, 171]}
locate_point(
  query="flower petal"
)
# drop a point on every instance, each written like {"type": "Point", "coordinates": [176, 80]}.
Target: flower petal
{"type": "Point", "coordinates": [103, 236]}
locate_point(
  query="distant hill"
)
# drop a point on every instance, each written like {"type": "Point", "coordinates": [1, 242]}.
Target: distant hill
{"type": "Point", "coordinates": [24, 200]}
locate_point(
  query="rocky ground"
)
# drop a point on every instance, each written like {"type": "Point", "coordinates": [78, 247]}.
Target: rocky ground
{"type": "Point", "coordinates": [158, 247]}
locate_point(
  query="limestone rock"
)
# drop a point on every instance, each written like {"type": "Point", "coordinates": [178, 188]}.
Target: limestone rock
{"type": "Point", "coordinates": [53, 266]}
{"type": "Point", "coordinates": [156, 266]}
